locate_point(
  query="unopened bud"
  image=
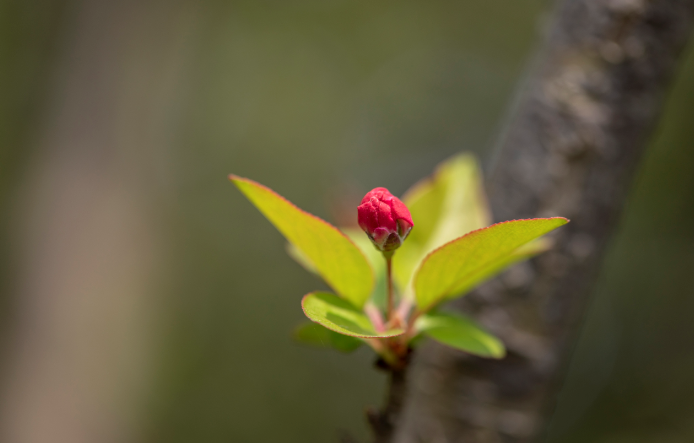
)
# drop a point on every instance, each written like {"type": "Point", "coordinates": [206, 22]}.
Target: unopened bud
{"type": "Point", "coordinates": [385, 219]}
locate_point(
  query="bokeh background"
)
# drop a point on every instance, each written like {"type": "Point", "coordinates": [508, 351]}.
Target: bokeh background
{"type": "Point", "coordinates": [143, 299]}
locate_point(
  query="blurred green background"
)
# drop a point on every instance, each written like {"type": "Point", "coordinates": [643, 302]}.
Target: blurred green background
{"type": "Point", "coordinates": [144, 299]}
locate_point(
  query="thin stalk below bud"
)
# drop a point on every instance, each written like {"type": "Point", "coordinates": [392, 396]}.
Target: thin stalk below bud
{"type": "Point", "coordinates": [389, 278]}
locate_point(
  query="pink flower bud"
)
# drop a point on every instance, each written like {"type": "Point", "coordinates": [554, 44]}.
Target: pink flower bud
{"type": "Point", "coordinates": [385, 219]}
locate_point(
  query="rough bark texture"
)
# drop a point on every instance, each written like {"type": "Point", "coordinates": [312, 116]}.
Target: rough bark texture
{"type": "Point", "coordinates": [571, 148]}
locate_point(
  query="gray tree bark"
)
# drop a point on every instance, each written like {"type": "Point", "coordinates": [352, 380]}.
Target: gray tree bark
{"type": "Point", "coordinates": [570, 149]}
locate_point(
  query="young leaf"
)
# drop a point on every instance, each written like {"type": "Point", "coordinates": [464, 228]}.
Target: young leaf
{"type": "Point", "coordinates": [316, 335]}
{"type": "Point", "coordinates": [339, 316]}
{"type": "Point", "coordinates": [446, 206]}
{"type": "Point", "coordinates": [458, 262]}
{"type": "Point", "coordinates": [378, 264]}
{"type": "Point", "coordinates": [525, 252]}
{"type": "Point", "coordinates": [341, 264]}
{"type": "Point", "coordinates": [374, 257]}
{"type": "Point", "coordinates": [300, 258]}
{"type": "Point", "coordinates": [460, 332]}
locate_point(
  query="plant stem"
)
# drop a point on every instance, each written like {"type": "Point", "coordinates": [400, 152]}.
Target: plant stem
{"type": "Point", "coordinates": [389, 277]}
{"type": "Point", "coordinates": [374, 314]}
{"type": "Point", "coordinates": [394, 358]}
{"type": "Point", "coordinates": [383, 422]}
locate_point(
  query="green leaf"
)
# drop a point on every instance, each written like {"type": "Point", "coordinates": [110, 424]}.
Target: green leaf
{"type": "Point", "coordinates": [316, 335]}
{"type": "Point", "coordinates": [460, 261]}
{"type": "Point", "coordinates": [460, 332]}
{"type": "Point", "coordinates": [374, 256]}
{"type": "Point", "coordinates": [377, 261]}
{"type": "Point", "coordinates": [362, 241]}
{"type": "Point", "coordinates": [445, 206]}
{"type": "Point", "coordinates": [341, 264]}
{"type": "Point", "coordinates": [301, 258]}
{"type": "Point", "coordinates": [339, 316]}
{"type": "Point", "coordinates": [525, 252]}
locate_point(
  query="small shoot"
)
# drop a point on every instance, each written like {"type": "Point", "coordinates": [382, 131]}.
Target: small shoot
{"type": "Point", "coordinates": [390, 283]}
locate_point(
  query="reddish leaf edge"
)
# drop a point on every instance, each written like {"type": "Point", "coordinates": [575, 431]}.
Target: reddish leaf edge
{"type": "Point", "coordinates": [234, 178]}
{"type": "Point", "coordinates": [425, 259]}
{"type": "Point", "coordinates": [353, 335]}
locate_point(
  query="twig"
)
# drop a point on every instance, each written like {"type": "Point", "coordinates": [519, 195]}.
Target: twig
{"type": "Point", "coordinates": [384, 421]}
{"type": "Point", "coordinates": [389, 279]}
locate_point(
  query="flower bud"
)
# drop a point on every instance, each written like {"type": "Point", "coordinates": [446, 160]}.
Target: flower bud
{"type": "Point", "coordinates": [385, 219]}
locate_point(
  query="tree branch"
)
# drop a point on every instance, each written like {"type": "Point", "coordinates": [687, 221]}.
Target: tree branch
{"type": "Point", "coordinates": [571, 148]}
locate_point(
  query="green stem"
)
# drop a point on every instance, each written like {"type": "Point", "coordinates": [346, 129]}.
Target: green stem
{"type": "Point", "coordinates": [389, 277]}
